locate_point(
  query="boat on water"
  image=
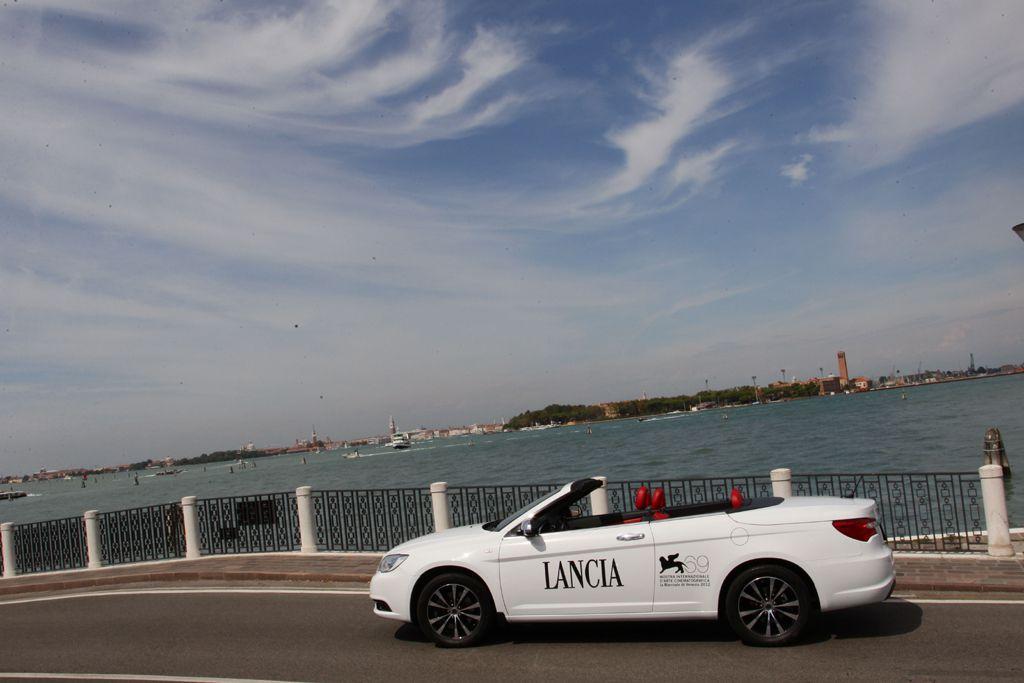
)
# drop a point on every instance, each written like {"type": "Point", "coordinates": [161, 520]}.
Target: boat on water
{"type": "Point", "coordinates": [400, 441]}
{"type": "Point", "coordinates": [353, 455]}
{"type": "Point", "coordinates": [11, 495]}
{"type": "Point", "coordinates": [165, 473]}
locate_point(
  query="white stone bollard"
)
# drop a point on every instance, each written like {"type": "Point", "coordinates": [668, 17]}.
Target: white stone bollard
{"type": "Point", "coordinates": [439, 505]}
{"type": "Point", "coordinates": [782, 482]}
{"type": "Point", "coordinates": [7, 539]}
{"type": "Point", "coordinates": [92, 539]}
{"type": "Point", "coordinates": [190, 518]}
{"type": "Point", "coordinates": [996, 521]}
{"type": "Point", "coordinates": [599, 498]}
{"type": "Point", "coordinates": [307, 522]}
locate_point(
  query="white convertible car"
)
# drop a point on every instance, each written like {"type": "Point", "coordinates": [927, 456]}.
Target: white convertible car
{"type": "Point", "coordinates": [765, 565]}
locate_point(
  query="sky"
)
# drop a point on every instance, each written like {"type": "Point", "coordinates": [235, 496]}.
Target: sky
{"type": "Point", "coordinates": [224, 222]}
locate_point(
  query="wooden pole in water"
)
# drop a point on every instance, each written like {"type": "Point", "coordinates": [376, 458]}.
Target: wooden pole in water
{"type": "Point", "coordinates": [994, 452]}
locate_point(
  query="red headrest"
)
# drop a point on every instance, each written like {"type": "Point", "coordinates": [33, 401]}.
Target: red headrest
{"type": "Point", "coordinates": [642, 499]}
{"type": "Point", "coordinates": [736, 498]}
{"type": "Point", "coordinates": [658, 499]}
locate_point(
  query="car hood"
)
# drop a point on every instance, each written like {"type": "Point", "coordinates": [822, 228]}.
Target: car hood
{"type": "Point", "coordinates": [458, 535]}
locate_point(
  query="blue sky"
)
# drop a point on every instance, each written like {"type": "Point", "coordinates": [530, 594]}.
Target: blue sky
{"type": "Point", "coordinates": [226, 221]}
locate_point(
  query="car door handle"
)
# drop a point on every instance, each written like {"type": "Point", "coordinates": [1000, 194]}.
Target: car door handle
{"type": "Point", "coordinates": [635, 536]}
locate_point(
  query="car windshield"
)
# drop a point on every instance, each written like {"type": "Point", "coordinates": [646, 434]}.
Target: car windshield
{"type": "Point", "coordinates": [499, 525]}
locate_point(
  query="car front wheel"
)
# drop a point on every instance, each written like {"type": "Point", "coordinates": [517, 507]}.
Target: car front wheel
{"type": "Point", "coordinates": [454, 610]}
{"type": "Point", "coordinates": [768, 605]}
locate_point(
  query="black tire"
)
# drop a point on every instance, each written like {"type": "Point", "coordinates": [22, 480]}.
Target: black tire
{"type": "Point", "coordinates": [769, 605]}
{"type": "Point", "coordinates": [455, 610]}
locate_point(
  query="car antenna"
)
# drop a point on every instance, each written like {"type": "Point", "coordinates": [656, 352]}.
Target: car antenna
{"type": "Point", "coordinates": [853, 491]}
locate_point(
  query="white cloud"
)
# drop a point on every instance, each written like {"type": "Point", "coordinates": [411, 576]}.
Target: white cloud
{"type": "Point", "coordinates": [928, 69]}
{"type": "Point", "coordinates": [488, 59]}
{"type": "Point", "coordinates": [798, 171]}
{"type": "Point", "coordinates": [683, 98]}
{"type": "Point", "coordinates": [370, 71]}
{"type": "Point", "coordinates": [701, 168]}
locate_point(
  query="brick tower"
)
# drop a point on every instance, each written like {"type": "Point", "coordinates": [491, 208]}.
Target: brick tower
{"type": "Point", "coordinates": [844, 374]}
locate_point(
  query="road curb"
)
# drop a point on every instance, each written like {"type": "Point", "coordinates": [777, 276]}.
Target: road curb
{"type": "Point", "coordinates": [953, 587]}
{"type": "Point", "coordinates": [178, 577]}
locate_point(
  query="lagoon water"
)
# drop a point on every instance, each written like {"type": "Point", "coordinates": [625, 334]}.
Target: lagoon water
{"type": "Point", "coordinates": [938, 428]}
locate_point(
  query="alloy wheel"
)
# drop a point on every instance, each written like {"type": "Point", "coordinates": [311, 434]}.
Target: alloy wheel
{"type": "Point", "coordinates": [768, 606]}
{"type": "Point", "coordinates": [454, 611]}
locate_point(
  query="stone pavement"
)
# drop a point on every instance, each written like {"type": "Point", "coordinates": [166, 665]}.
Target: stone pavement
{"type": "Point", "coordinates": [321, 568]}
{"type": "Point", "coordinates": [962, 574]}
{"type": "Point", "coordinates": [915, 574]}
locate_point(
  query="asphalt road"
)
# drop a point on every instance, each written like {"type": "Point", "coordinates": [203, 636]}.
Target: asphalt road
{"type": "Point", "coordinates": [335, 638]}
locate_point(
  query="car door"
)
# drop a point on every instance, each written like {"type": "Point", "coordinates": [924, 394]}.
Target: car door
{"type": "Point", "coordinates": [602, 570]}
{"type": "Point", "coordinates": [692, 554]}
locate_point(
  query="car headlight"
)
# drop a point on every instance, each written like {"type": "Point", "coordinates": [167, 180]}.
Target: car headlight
{"type": "Point", "coordinates": [391, 562]}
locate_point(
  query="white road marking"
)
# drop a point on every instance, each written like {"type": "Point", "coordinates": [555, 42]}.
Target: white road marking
{"type": "Point", "coordinates": [959, 601]}
{"type": "Point", "coordinates": [188, 591]}
{"type": "Point", "coordinates": [213, 590]}
{"type": "Point", "coordinates": [132, 677]}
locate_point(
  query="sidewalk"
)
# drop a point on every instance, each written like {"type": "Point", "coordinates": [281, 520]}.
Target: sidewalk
{"type": "Point", "coordinates": [915, 574]}
{"type": "Point", "coordinates": [321, 568]}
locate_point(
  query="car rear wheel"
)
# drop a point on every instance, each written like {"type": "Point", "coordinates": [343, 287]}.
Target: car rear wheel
{"type": "Point", "coordinates": [769, 605]}
{"type": "Point", "coordinates": [454, 610]}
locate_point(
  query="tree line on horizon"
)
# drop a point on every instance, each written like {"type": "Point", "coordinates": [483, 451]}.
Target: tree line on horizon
{"type": "Point", "coordinates": [222, 456]}
{"type": "Point", "coordinates": [559, 414]}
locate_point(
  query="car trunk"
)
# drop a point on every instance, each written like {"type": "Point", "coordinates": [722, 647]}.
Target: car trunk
{"type": "Point", "coordinates": [801, 509]}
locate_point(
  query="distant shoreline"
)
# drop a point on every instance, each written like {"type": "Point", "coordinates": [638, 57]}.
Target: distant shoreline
{"type": "Point", "coordinates": [635, 418]}
{"type": "Point", "coordinates": [948, 381]}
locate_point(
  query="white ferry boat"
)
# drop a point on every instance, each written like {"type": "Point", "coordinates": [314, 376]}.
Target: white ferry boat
{"type": "Point", "coordinates": [400, 440]}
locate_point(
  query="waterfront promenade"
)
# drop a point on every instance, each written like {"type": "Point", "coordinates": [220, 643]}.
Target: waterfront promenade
{"type": "Point", "coordinates": [305, 616]}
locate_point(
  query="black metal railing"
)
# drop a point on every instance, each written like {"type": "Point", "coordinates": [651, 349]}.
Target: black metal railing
{"type": "Point", "coordinates": [266, 522]}
{"type": "Point", "coordinates": [50, 546]}
{"type": "Point", "coordinates": [936, 511]}
{"type": "Point", "coordinates": [370, 519]}
{"type": "Point", "coordinates": [621, 494]}
{"type": "Point", "coordinates": [921, 511]}
{"type": "Point", "coordinates": [153, 532]}
{"type": "Point", "coordinates": [477, 504]}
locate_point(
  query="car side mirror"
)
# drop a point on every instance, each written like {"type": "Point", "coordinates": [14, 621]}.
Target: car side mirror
{"type": "Point", "coordinates": [528, 529]}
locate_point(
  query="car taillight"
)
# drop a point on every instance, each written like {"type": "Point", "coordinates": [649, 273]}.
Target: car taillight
{"type": "Point", "coordinates": [860, 529]}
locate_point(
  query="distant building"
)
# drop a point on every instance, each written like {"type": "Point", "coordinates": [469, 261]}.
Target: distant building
{"type": "Point", "coordinates": [844, 374]}
{"type": "Point", "coordinates": [861, 383]}
{"type": "Point", "coordinates": [829, 385]}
